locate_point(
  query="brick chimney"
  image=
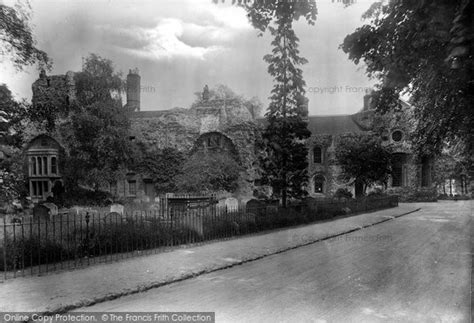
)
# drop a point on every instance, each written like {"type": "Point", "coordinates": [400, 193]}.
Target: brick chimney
{"type": "Point", "coordinates": [133, 90]}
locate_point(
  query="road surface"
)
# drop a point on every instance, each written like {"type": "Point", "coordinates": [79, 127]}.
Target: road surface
{"type": "Point", "coordinates": [415, 268]}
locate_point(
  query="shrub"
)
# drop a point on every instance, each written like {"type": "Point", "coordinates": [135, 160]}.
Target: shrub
{"type": "Point", "coordinates": [343, 193]}
{"type": "Point", "coordinates": [82, 196]}
{"type": "Point", "coordinates": [377, 192]}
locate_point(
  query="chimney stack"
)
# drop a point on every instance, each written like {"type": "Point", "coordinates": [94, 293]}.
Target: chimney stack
{"type": "Point", "coordinates": [133, 90]}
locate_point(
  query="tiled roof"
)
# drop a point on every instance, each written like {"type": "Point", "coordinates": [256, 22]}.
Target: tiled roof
{"type": "Point", "coordinates": [335, 124]}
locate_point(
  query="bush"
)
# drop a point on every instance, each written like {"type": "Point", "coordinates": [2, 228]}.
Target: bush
{"type": "Point", "coordinates": [377, 192]}
{"type": "Point", "coordinates": [84, 197]}
{"type": "Point", "coordinates": [343, 193]}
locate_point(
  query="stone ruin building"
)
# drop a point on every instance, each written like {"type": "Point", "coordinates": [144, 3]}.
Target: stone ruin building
{"type": "Point", "coordinates": [233, 129]}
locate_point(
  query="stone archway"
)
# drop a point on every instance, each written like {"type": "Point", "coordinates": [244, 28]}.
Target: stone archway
{"type": "Point", "coordinates": [215, 142]}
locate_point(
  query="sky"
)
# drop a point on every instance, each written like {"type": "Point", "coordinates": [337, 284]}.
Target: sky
{"type": "Point", "coordinates": [181, 45]}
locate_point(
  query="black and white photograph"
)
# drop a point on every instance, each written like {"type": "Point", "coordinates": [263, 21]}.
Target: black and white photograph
{"type": "Point", "coordinates": [236, 161]}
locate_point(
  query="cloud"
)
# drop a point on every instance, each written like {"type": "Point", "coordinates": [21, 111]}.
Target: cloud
{"type": "Point", "coordinates": [164, 41]}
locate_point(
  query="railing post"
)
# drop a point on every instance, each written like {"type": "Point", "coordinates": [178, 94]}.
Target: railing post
{"type": "Point", "coordinates": [5, 247]}
{"type": "Point", "coordinates": [87, 238]}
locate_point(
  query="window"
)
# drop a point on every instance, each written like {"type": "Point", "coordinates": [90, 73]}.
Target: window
{"type": "Point", "coordinates": [132, 188]}
{"type": "Point", "coordinates": [317, 155]}
{"type": "Point", "coordinates": [319, 184]}
{"type": "Point", "coordinates": [45, 165]}
{"type": "Point", "coordinates": [399, 171]}
{"type": "Point", "coordinates": [397, 135]}
{"type": "Point", "coordinates": [113, 188]}
{"type": "Point", "coordinates": [40, 166]}
{"type": "Point", "coordinates": [397, 175]}
{"type": "Point", "coordinates": [425, 172]}
{"type": "Point", "coordinates": [54, 166]}
{"type": "Point", "coordinates": [213, 141]}
{"type": "Point", "coordinates": [38, 188]}
{"type": "Point", "coordinates": [33, 165]}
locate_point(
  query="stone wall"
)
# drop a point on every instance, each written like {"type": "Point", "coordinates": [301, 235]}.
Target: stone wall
{"type": "Point", "coordinates": [182, 128]}
{"type": "Point", "coordinates": [55, 90]}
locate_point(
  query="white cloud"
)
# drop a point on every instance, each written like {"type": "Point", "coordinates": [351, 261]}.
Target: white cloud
{"type": "Point", "coordinates": [164, 42]}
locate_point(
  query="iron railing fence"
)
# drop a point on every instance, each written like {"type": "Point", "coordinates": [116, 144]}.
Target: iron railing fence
{"type": "Point", "coordinates": [36, 246]}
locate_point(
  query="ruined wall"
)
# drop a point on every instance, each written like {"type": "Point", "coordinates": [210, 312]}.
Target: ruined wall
{"type": "Point", "coordinates": [181, 129]}
{"type": "Point", "coordinates": [56, 90]}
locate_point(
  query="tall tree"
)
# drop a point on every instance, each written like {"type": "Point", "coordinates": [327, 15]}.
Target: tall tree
{"type": "Point", "coordinates": [284, 157]}
{"type": "Point", "coordinates": [98, 130]}
{"type": "Point", "coordinates": [16, 37]}
{"type": "Point", "coordinates": [285, 160]}
{"type": "Point", "coordinates": [363, 159]}
{"type": "Point", "coordinates": [426, 49]}
{"type": "Point", "coordinates": [12, 114]}
{"type": "Point", "coordinates": [12, 179]}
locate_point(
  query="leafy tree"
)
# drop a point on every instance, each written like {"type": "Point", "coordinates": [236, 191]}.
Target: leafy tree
{"type": "Point", "coordinates": [12, 114]}
{"type": "Point", "coordinates": [162, 165]}
{"type": "Point", "coordinates": [16, 37]}
{"type": "Point", "coordinates": [449, 166]}
{"type": "Point", "coordinates": [223, 94]}
{"type": "Point", "coordinates": [12, 180]}
{"type": "Point", "coordinates": [363, 159]}
{"type": "Point", "coordinates": [98, 131]}
{"type": "Point", "coordinates": [262, 13]}
{"type": "Point", "coordinates": [423, 48]}
{"type": "Point", "coordinates": [209, 172]}
{"type": "Point", "coordinates": [12, 175]}
{"type": "Point", "coordinates": [284, 158]}
{"type": "Point", "coordinates": [444, 169]}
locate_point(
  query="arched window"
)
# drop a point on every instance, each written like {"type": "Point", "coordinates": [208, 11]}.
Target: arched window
{"type": "Point", "coordinates": [319, 184]}
{"type": "Point", "coordinates": [33, 165]}
{"type": "Point", "coordinates": [399, 172]}
{"type": "Point", "coordinates": [317, 155]}
{"type": "Point", "coordinates": [40, 166]}
{"type": "Point", "coordinates": [54, 165]}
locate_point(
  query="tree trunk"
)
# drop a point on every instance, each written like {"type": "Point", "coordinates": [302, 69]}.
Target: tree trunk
{"type": "Point", "coordinates": [284, 198]}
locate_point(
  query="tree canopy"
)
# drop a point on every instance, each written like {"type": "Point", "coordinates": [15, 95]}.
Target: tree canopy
{"type": "Point", "coordinates": [283, 151]}
{"type": "Point", "coordinates": [209, 172]}
{"type": "Point", "coordinates": [223, 94]}
{"type": "Point", "coordinates": [12, 114]}
{"type": "Point", "coordinates": [12, 179]}
{"type": "Point", "coordinates": [363, 159]}
{"type": "Point", "coordinates": [16, 37]}
{"type": "Point", "coordinates": [423, 49]}
{"type": "Point", "coordinates": [161, 165]}
{"type": "Point", "coordinates": [97, 134]}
